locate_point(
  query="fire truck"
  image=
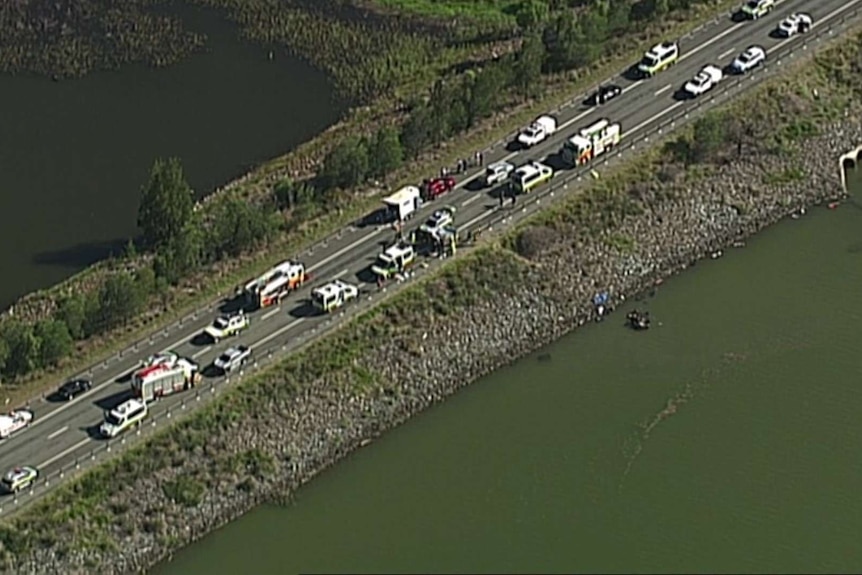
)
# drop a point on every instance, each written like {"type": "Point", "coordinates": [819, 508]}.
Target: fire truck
{"type": "Point", "coordinates": [590, 142]}
{"type": "Point", "coordinates": [274, 285]}
{"type": "Point", "coordinates": [159, 380]}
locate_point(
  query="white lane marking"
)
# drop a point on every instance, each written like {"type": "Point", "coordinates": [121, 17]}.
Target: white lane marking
{"type": "Point", "coordinates": [565, 125]}
{"type": "Point", "coordinates": [58, 432]}
{"type": "Point", "coordinates": [197, 354]}
{"type": "Point", "coordinates": [63, 454]}
{"type": "Point", "coordinates": [724, 55]}
{"type": "Point", "coordinates": [95, 389]}
{"type": "Point", "coordinates": [710, 41]}
{"type": "Point", "coordinates": [341, 273]}
{"type": "Point", "coordinates": [269, 314]}
{"type": "Point", "coordinates": [654, 118]}
{"type": "Point", "coordinates": [665, 89]}
{"type": "Point", "coordinates": [278, 332]}
{"type": "Point", "coordinates": [471, 199]}
{"type": "Point", "coordinates": [344, 250]}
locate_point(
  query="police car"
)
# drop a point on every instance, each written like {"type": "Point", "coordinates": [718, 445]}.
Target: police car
{"type": "Point", "coordinates": [232, 358]}
{"type": "Point", "coordinates": [19, 478]}
{"type": "Point", "coordinates": [226, 326]}
{"type": "Point", "coordinates": [799, 22]}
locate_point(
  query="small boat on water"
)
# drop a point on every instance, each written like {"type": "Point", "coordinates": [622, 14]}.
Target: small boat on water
{"type": "Point", "coordinates": [638, 320]}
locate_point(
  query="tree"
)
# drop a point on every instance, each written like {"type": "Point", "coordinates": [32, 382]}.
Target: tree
{"type": "Point", "coordinates": [289, 194]}
{"type": "Point", "coordinates": [184, 253]}
{"type": "Point", "coordinates": [416, 131]}
{"type": "Point", "coordinates": [385, 152]}
{"type": "Point", "coordinates": [4, 353]}
{"type": "Point", "coordinates": [531, 13]}
{"type": "Point", "coordinates": [239, 225]}
{"type": "Point", "coordinates": [23, 346]}
{"type": "Point", "coordinates": [72, 312]}
{"type": "Point", "coordinates": [54, 339]}
{"type": "Point", "coordinates": [346, 165]}
{"type": "Point", "coordinates": [708, 137]}
{"type": "Point", "coordinates": [528, 65]}
{"type": "Point", "coordinates": [119, 299]}
{"type": "Point", "coordinates": [167, 203]}
{"type": "Point", "coordinates": [484, 92]}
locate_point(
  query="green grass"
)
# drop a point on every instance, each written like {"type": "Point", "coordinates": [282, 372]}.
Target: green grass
{"type": "Point", "coordinates": [496, 11]}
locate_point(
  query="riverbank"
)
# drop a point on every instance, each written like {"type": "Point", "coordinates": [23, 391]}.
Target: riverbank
{"type": "Point", "coordinates": [161, 301]}
{"type": "Point", "coordinates": [640, 225]}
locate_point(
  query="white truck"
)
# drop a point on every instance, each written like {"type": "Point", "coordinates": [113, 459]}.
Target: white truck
{"type": "Point", "coordinates": [538, 131]}
{"type": "Point", "coordinates": [158, 381]}
{"type": "Point", "coordinates": [333, 295]}
{"type": "Point", "coordinates": [233, 358]}
{"type": "Point", "coordinates": [402, 204]}
{"type": "Point", "coordinates": [226, 326]}
{"type": "Point", "coordinates": [590, 142]}
{"type": "Point", "coordinates": [14, 421]}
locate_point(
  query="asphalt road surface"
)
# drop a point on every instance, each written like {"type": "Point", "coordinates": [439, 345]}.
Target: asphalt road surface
{"type": "Point", "coordinates": [62, 432]}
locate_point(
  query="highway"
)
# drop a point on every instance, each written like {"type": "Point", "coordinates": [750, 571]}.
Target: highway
{"type": "Point", "coordinates": [62, 432]}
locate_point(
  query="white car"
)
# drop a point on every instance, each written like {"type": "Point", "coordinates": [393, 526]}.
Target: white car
{"type": "Point", "coordinates": [14, 421]}
{"type": "Point", "coordinates": [704, 81]}
{"type": "Point", "coordinates": [19, 478]}
{"type": "Point", "coordinates": [799, 22]}
{"type": "Point", "coordinates": [232, 358]}
{"type": "Point", "coordinates": [498, 172]}
{"type": "Point", "coordinates": [226, 326]}
{"type": "Point", "coordinates": [753, 57]}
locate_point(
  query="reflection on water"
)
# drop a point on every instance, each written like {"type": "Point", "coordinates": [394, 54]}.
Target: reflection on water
{"type": "Point", "coordinates": [73, 154]}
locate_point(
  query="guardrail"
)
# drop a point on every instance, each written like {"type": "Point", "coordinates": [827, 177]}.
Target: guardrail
{"type": "Point", "coordinates": [499, 219]}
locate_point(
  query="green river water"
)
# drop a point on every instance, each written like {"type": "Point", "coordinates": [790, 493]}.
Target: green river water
{"type": "Point", "coordinates": [566, 463]}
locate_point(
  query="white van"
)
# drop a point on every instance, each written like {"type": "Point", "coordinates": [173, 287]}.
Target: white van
{"type": "Point", "coordinates": [123, 417]}
{"type": "Point", "coordinates": [529, 176]}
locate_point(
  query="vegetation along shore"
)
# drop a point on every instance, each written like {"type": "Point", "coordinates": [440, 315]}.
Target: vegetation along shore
{"type": "Point", "coordinates": [427, 89]}
{"type": "Point", "coordinates": [735, 171]}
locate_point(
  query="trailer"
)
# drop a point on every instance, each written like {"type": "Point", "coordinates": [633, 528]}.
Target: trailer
{"type": "Point", "coordinates": [160, 380]}
{"type": "Point", "coordinates": [274, 285]}
{"type": "Point", "coordinates": [402, 204]}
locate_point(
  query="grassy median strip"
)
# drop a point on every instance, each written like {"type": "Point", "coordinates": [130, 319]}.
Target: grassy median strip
{"type": "Point", "coordinates": [82, 514]}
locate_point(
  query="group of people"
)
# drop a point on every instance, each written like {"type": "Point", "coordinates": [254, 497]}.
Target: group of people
{"type": "Point", "coordinates": [465, 164]}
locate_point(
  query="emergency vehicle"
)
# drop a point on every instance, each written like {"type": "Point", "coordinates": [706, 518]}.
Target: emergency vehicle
{"type": "Point", "coordinates": [333, 295]}
{"type": "Point", "coordinates": [436, 187]}
{"type": "Point", "coordinates": [123, 417]}
{"type": "Point", "coordinates": [440, 240]}
{"type": "Point", "coordinates": [157, 381]}
{"type": "Point", "coordinates": [226, 326]}
{"type": "Point", "coordinates": [529, 176]}
{"type": "Point", "coordinates": [14, 421]}
{"type": "Point", "coordinates": [275, 284]}
{"type": "Point", "coordinates": [393, 260]}
{"type": "Point", "coordinates": [19, 478]}
{"type": "Point", "coordinates": [590, 142]}
{"type": "Point", "coordinates": [402, 204]}
{"type": "Point", "coordinates": [168, 357]}
{"type": "Point", "coordinates": [658, 58]}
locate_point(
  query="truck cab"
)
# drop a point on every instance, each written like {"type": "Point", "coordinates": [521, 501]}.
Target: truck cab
{"type": "Point", "coordinates": [393, 260]}
{"type": "Point", "coordinates": [402, 204]}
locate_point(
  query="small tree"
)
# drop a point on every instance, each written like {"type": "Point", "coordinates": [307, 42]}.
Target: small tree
{"type": "Point", "coordinates": [528, 65]}
{"type": "Point", "coordinates": [55, 341]}
{"type": "Point", "coordinates": [71, 311]}
{"type": "Point", "coordinates": [23, 346]}
{"type": "Point", "coordinates": [385, 153]}
{"type": "Point", "coordinates": [167, 203]}
{"type": "Point", "coordinates": [346, 165]}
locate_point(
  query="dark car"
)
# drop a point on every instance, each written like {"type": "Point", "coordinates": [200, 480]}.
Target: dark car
{"type": "Point", "coordinates": [70, 389]}
{"type": "Point", "coordinates": [606, 94]}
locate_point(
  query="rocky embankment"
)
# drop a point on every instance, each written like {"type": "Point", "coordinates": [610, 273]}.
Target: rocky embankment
{"type": "Point", "coordinates": [308, 432]}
